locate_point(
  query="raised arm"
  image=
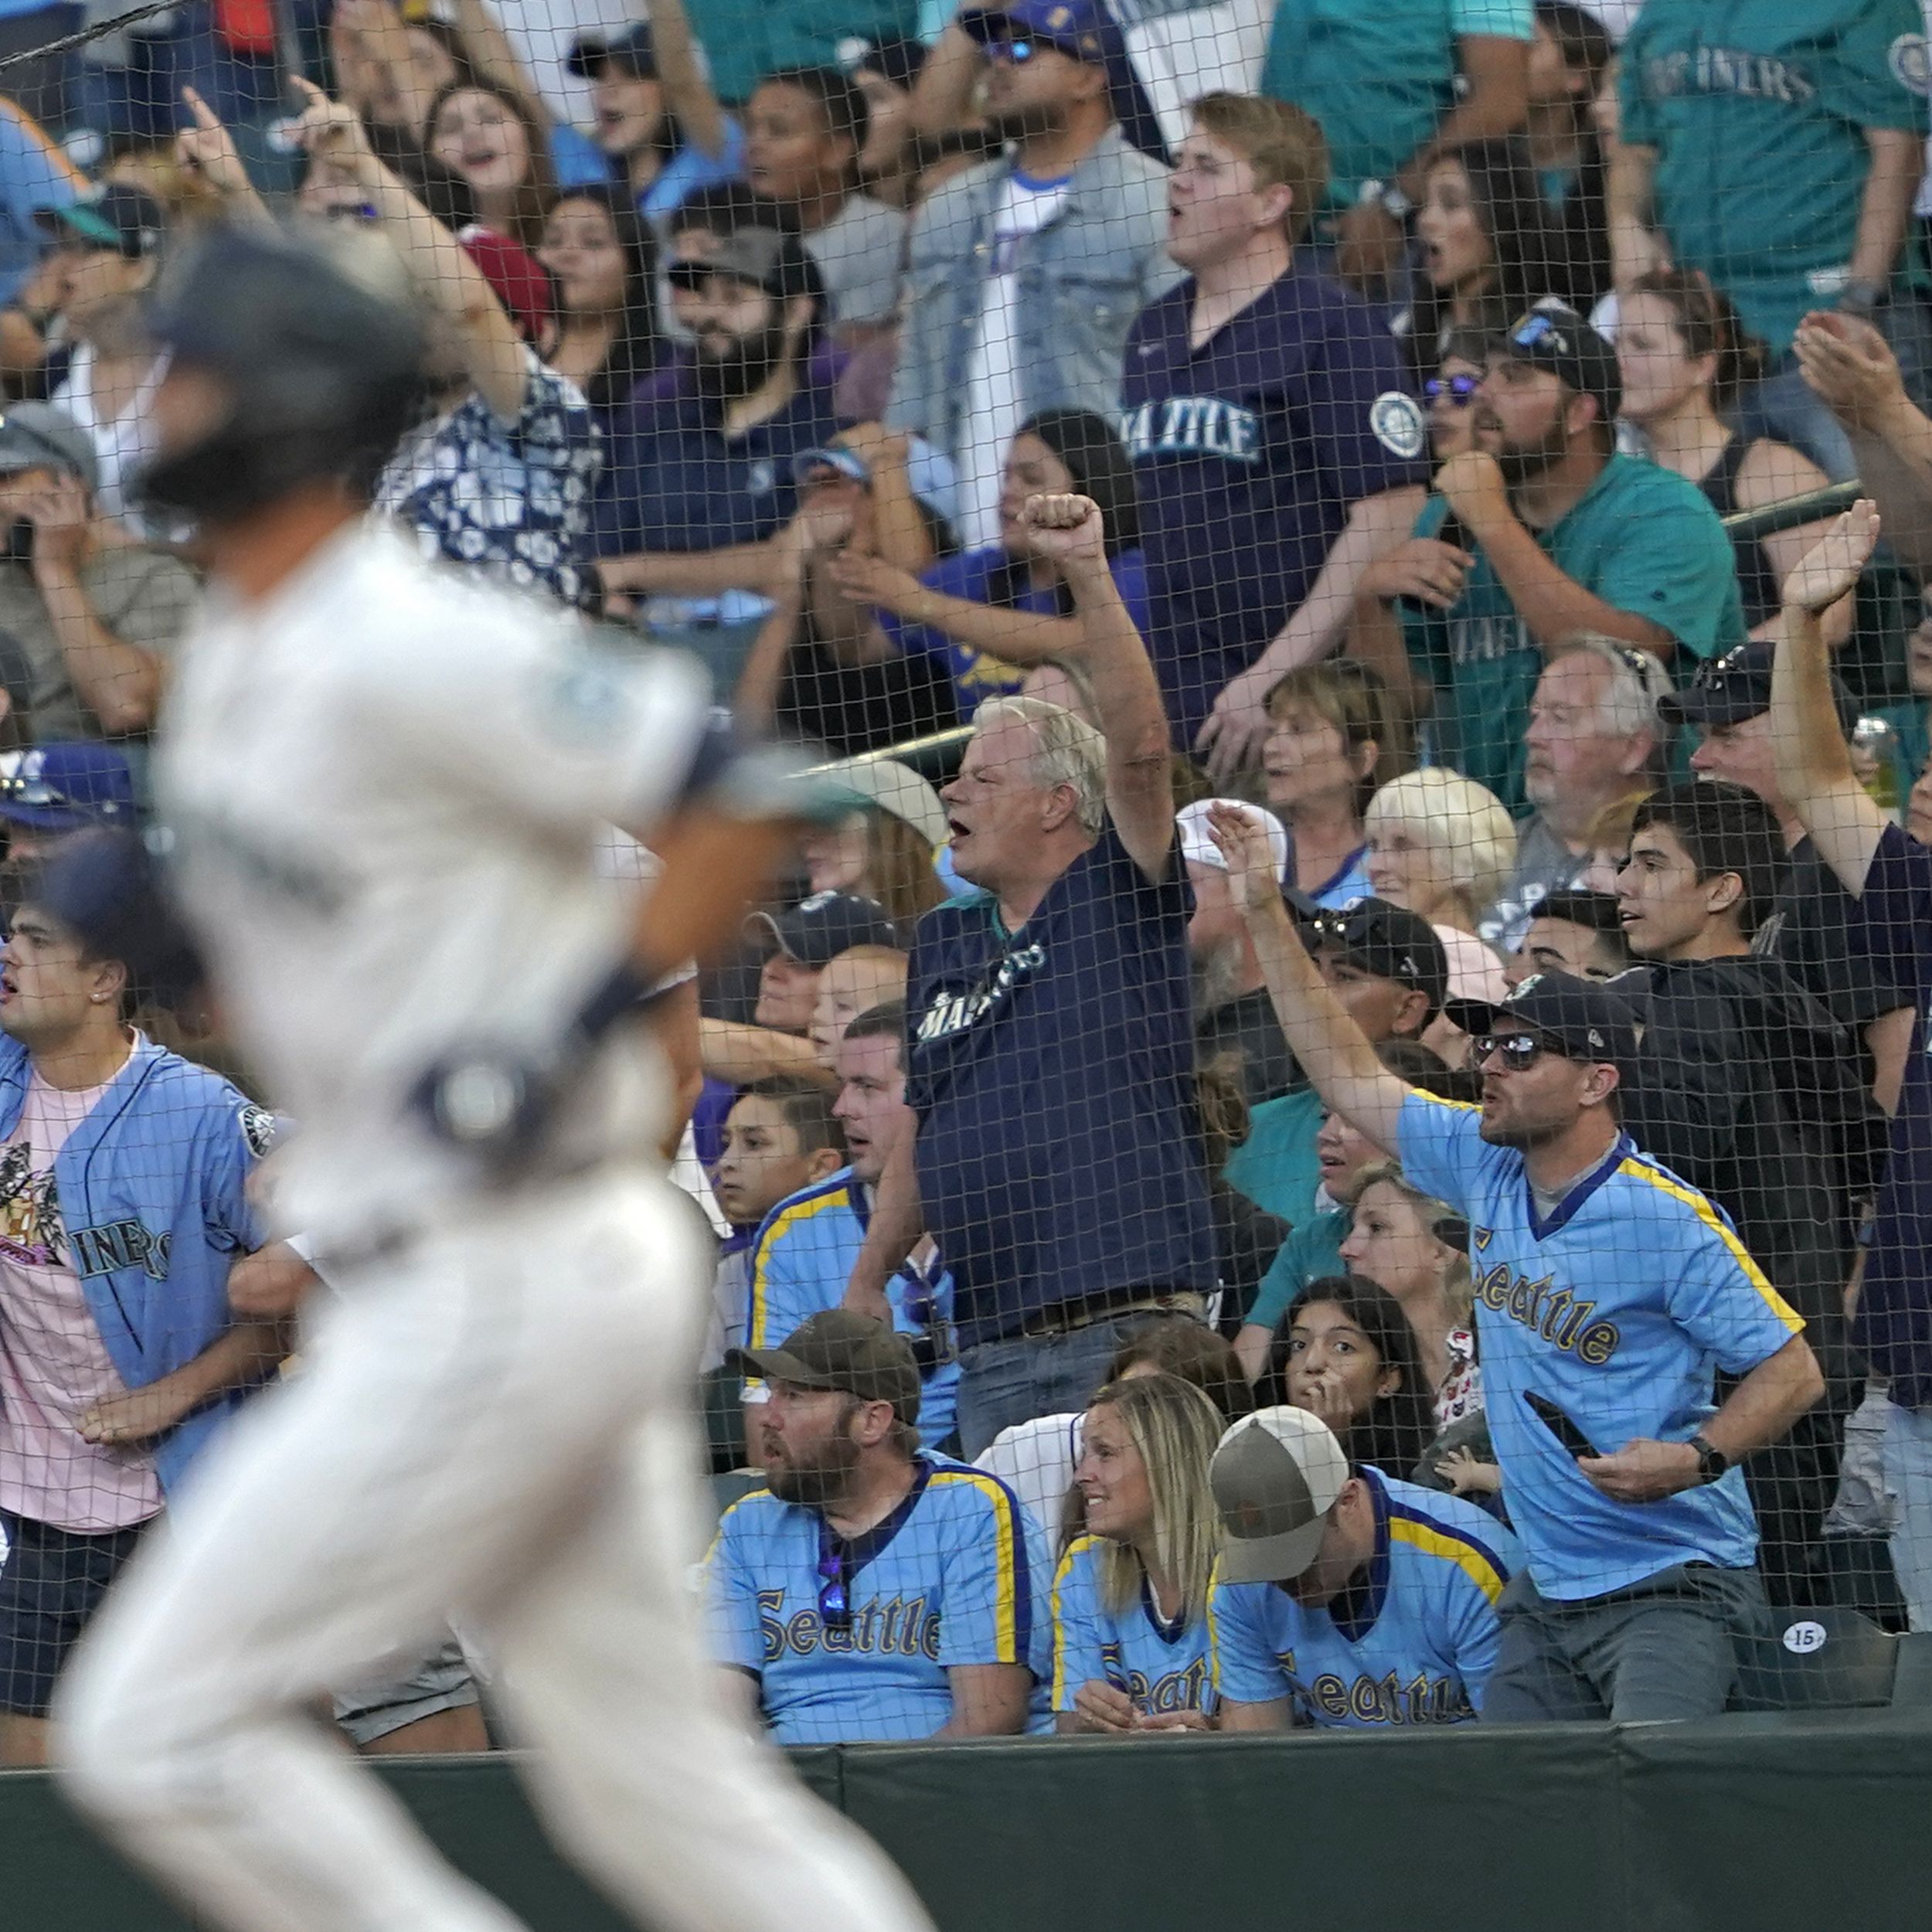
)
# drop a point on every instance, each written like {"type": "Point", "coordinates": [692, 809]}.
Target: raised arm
{"type": "Point", "coordinates": [1140, 771]}
{"type": "Point", "coordinates": [1813, 762]}
{"type": "Point", "coordinates": [1635, 246]}
{"type": "Point", "coordinates": [689, 98]}
{"type": "Point", "coordinates": [1493, 101]}
{"type": "Point", "coordinates": [1335, 1052]}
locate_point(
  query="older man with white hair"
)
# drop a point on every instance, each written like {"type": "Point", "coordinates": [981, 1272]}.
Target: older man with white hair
{"type": "Point", "coordinates": [1593, 738]}
{"type": "Point", "coordinates": [1057, 1160]}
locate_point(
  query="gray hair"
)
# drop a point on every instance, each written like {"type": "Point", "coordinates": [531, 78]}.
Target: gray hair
{"type": "Point", "coordinates": [1067, 750]}
{"type": "Point", "coordinates": [1637, 683]}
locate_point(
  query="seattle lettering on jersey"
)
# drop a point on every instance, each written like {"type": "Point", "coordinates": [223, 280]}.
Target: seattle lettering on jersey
{"type": "Point", "coordinates": [1484, 640]}
{"type": "Point", "coordinates": [1727, 70]}
{"type": "Point", "coordinates": [895, 1628]}
{"type": "Point", "coordinates": [1562, 1319]}
{"type": "Point", "coordinates": [1193, 426]}
{"type": "Point", "coordinates": [1378, 1700]}
{"type": "Point", "coordinates": [1175, 1690]}
{"type": "Point", "coordinates": [955, 1012]}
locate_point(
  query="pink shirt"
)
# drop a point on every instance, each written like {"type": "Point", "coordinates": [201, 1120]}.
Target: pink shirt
{"type": "Point", "coordinates": [54, 1365]}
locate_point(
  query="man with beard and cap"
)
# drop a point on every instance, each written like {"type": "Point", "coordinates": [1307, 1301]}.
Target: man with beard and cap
{"type": "Point", "coordinates": [703, 476]}
{"type": "Point", "coordinates": [874, 1590]}
{"type": "Point", "coordinates": [1544, 531]}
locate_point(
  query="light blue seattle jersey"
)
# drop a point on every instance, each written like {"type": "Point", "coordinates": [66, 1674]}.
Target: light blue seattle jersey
{"type": "Point", "coordinates": [1412, 1641]}
{"type": "Point", "coordinates": [1619, 1309]}
{"type": "Point", "coordinates": [1162, 1667]}
{"type": "Point", "coordinates": [956, 1575]}
{"type": "Point", "coordinates": [799, 1264]}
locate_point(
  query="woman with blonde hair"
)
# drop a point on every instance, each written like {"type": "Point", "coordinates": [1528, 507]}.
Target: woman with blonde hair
{"type": "Point", "coordinates": [1334, 739]}
{"type": "Point", "coordinates": [886, 847]}
{"type": "Point", "coordinates": [1130, 1600]}
{"type": "Point", "coordinates": [1440, 844]}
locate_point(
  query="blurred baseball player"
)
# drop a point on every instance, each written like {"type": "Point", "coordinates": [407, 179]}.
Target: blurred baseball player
{"type": "Point", "coordinates": [386, 787]}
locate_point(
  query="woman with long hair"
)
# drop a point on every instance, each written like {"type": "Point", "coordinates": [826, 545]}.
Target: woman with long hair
{"type": "Point", "coordinates": [991, 614]}
{"type": "Point", "coordinates": [1345, 1352]}
{"type": "Point", "coordinates": [886, 848]}
{"type": "Point", "coordinates": [488, 138]}
{"type": "Point", "coordinates": [1684, 354]}
{"type": "Point", "coordinates": [1131, 1650]}
{"type": "Point", "coordinates": [600, 255]}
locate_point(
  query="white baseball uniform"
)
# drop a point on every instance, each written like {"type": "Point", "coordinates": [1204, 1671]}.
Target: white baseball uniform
{"type": "Point", "coordinates": [387, 786]}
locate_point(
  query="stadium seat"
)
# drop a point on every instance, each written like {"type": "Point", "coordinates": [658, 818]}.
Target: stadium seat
{"type": "Point", "coordinates": [1832, 1659]}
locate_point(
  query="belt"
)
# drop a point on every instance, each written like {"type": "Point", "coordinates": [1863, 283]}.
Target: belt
{"type": "Point", "coordinates": [1065, 1317]}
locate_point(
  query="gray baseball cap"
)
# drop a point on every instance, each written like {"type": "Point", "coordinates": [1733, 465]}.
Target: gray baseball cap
{"type": "Point", "coordinates": [1275, 1477]}
{"type": "Point", "coordinates": [36, 436]}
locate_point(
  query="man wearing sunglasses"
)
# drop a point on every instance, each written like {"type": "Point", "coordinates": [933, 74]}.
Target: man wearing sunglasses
{"type": "Point", "coordinates": [873, 1589]}
{"type": "Point", "coordinates": [1609, 1295]}
{"type": "Point", "coordinates": [1561, 536]}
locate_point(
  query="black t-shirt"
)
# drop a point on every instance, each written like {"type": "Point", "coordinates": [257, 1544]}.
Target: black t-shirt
{"type": "Point", "coordinates": [1812, 929]}
{"type": "Point", "coordinates": [1246, 1029]}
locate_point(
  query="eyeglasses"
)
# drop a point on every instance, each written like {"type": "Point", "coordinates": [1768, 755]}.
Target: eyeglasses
{"type": "Point", "coordinates": [1520, 1051]}
{"type": "Point", "coordinates": [1459, 390]}
{"type": "Point", "coordinates": [834, 1599]}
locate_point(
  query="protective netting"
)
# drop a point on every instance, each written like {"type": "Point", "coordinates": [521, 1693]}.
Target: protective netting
{"type": "Point", "coordinates": [1373, 872]}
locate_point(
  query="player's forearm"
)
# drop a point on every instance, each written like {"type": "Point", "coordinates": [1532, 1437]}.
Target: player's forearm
{"type": "Point", "coordinates": [898, 1225]}
{"type": "Point", "coordinates": [1376, 524]}
{"type": "Point", "coordinates": [119, 682]}
{"type": "Point", "coordinates": [1555, 607]}
{"type": "Point", "coordinates": [1885, 209]}
{"type": "Point", "coordinates": [1762, 1408]}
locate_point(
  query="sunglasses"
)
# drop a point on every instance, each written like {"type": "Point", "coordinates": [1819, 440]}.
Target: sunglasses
{"type": "Point", "coordinates": [1520, 1051]}
{"type": "Point", "coordinates": [835, 1598]}
{"type": "Point", "coordinates": [1459, 391]}
{"type": "Point", "coordinates": [1017, 50]}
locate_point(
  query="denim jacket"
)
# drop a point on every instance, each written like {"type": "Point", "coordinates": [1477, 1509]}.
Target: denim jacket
{"type": "Point", "coordinates": [151, 1186]}
{"type": "Point", "coordinates": [1083, 278]}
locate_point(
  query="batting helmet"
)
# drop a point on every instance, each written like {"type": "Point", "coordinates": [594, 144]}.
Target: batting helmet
{"type": "Point", "coordinates": [316, 339]}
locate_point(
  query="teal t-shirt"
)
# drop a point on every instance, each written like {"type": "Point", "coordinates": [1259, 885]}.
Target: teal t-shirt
{"type": "Point", "coordinates": [1312, 1251]}
{"type": "Point", "coordinates": [1276, 1166]}
{"type": "Point", "coordinates": [1378, 78]}
{"type": "Point", "coordinates": [1757, 110]}
{"type": "Point", "coordinates": [1640, 538]}
{"type": "Point", "coordinates": [746, 39]}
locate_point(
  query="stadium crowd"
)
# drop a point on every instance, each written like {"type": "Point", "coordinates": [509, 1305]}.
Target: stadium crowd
{"type": "Point", "coordinates": [1358, 1160]}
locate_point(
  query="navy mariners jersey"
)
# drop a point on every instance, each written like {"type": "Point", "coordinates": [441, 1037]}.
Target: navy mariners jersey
{"type": "Point", "coordinates": [1052, 1069]}
{"type": "Point", "coordinates": [1619, 1308]}
{"type": "Point", "coordinates": [1411, 1640]}
{"type": "Point", "coordinates": [1163, 1667]}
{"type": "Point", "coordinates": [799, 1264]}
{"type": "Point", "coordinates": [1247, 455]}
{"type": "Point", "coordinates": [956, 1575]}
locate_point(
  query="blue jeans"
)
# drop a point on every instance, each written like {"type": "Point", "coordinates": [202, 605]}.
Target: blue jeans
{"type": "Point", "coordinates": [1014, 1379]}
{"type": "Point", "coordinates": [1908, 1475]}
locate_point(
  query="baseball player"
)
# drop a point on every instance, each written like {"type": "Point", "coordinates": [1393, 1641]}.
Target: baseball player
{"type": "Point", "coordinates": [386, 787]}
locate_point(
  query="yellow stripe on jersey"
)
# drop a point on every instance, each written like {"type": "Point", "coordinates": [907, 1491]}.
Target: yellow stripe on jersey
{"type": "Point", "coordinates": [1060, 1577]}
{"type": "Point", "coordinates": [788, 1219]}
{"type": "Point", "coordinates": [1006, 1557]}
{"type": "Point", "coordinates": [717, 1535]}
{"type": "Point", "coordinates": [1691, 1198]}
{"type": "Point", "coordinates": [1466, 1556]}
{"type": "Point", "coordinates": [1214, 1634]}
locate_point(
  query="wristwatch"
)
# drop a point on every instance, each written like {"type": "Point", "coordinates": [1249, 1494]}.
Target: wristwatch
{"type": "Point", "coordinates": [1712, 1461]}
{"type": "Point", "coordinates": [1386, 195]}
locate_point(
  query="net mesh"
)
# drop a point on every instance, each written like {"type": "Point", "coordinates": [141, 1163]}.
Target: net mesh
{"type": "Point", "coordinates": [1377, 877]}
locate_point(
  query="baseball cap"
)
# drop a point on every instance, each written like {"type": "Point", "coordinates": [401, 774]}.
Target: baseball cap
{"type": "Point", "coordinates": [892, 56]}
{"type": "Point", "coordinates": [1575, 906]}
{"type": "Point", "coordinates": [102, 886]}
{"type": "Point", "coordinates": [1081, 28]}
{"type": "Point", "coordinates": [521, 282]}
{"type": "Point", "coordinates": [64, 787]}
{"type": "Point", "coordinates": [1386, 942]}
{"type": "Point", "coordinates": [819, 929]}
{"type": "Point", "coordinates": [840, 1348]}
{"type": "Point", "coordinates": [630, 52]}
{"type": "Point", "coordinates": [1728, 689]}
{"type": "Point", "coordinates": [929, 472]}
{"type": "Point", "coordinates": [124, 218]}
{"type": "Point", "coordinates": [768, 258]}
{"type": "Point", "coordinates": [36, 436]}
{"type": "Point", "coordinates": [1582, 1019]}
{"type": "Point", "coordinates": [1197, 842]}
{"type": "Point", "coordinates": [892, 787]}
{"type": "Point", "coordinates": [1275, 1477]}
{"type": "Point", "coordinates": [1553, 336]}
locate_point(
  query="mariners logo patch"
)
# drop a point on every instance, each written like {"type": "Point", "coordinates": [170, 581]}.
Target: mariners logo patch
{"type": "Point", "coordinates": [1397, 422]}
{"type": "Point", "coordinates": [258, 1129]}
{"type": "Point", "coordinates": [1911, 63]}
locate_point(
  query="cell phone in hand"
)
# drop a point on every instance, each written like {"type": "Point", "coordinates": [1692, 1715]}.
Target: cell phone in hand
{"type": "Point", "coordinates": [1559, 1424]}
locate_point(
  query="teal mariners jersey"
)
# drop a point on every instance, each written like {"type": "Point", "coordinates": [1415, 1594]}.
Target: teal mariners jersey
{"type": "Point", "coordinates": [956, 1575]}
{"type": "Point", "coordinates": [1411, 1640]}
{"type": "Point", "coordinates": [1163, 1667]}
{"type": "Point", "coordinates": [1641, 538]}
{"type": "Point", "coordinates": [1619, 1308]}
{"type": "Point", "coordinates": [799, 1264]}
{"type": "Point", "coordinates": [1758, 111]}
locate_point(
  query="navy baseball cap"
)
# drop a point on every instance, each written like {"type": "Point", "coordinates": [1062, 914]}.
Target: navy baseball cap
{"type": "Point", "coordinates": [66, 787]}
{"type": "Point", "coordinates": [1581, 1019]}
{"type": "Point", "coordinates": [819, 929]}
{"type": "Point", "coordinates": [104, 888]}
{"type": "Point", "coordinates": [1386, 942]}
{"type": "Point", "coordinates": [1553, 336]}
{"type": "Point", "coordinates": [631, 53]}
{"type": "Point", "coordinates": [1728, 689]}
{"type": "Point", "coordinates": [1083, 28]}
